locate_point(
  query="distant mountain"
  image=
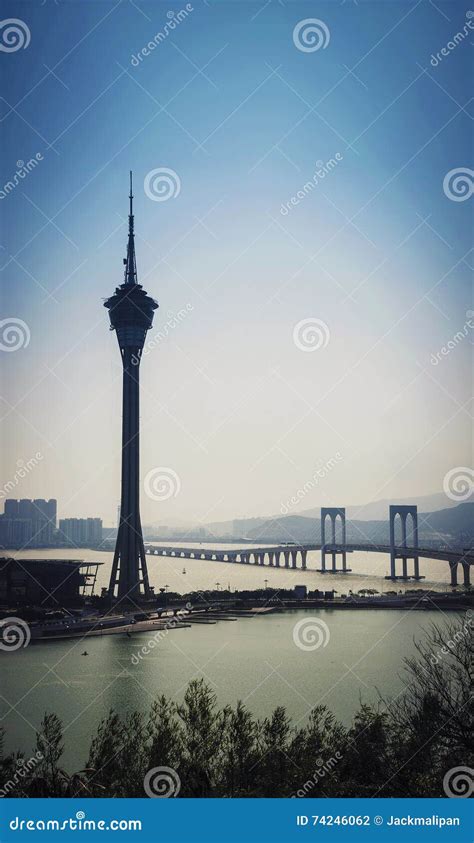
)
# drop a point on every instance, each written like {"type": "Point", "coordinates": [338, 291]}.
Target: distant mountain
{"type": "Point", "coordinates": [374, 511]}
{"type": "Point", "coordinates": [378, 510]}
{"type": "Point", "coordinates": [457, 521]}
{"type": "Point", "coordinates": [453, 525]}
{"type": "Point", "coordinates": [445, 522]}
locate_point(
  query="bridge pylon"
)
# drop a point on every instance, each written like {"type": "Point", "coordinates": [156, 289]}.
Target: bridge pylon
{"type": "Point", "coordinates": [406, 550]}
{"type": "Point", "coordinates": [333, 548]}
{"type": "Point", "coordinates": [466, 570]}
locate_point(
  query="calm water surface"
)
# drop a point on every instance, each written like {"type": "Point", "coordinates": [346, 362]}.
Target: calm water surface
{"type": "Point", "coordinates": [368, 571]}
{"type": "Point", "coordinates": [253, 659]}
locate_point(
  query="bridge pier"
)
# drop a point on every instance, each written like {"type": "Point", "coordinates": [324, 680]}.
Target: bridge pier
{"type": "Point", "coordinates": [453, 567]}
{"type": "Point", "coordinates": [466, 569]}
{"type": "Point", "coordinates": [332, 548]}
{"type": "Point", "coordinates": [288, 555]}
{"type": "Point", "coordinates": [401, 551]}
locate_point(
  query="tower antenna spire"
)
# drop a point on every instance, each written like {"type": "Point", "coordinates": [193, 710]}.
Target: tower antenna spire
{"type": "Point", "coordinates": [130, 261]}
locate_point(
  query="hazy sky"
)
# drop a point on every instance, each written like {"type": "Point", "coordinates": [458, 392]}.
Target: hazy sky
{"type": "Point", "coordinates": [238, 404]}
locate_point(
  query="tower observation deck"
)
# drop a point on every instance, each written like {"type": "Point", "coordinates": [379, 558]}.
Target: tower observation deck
{"type": "Point", "coordinates": [131, 316]}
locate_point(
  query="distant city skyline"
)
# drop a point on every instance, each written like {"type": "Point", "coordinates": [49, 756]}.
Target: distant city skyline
{"type": "Point", "coordinates": [289, 332]}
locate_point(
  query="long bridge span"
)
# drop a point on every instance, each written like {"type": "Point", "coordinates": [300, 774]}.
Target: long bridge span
{"type": "Point", "coordinates": [404, 547]}
{"type": "Point", "coordinates": [293, 556]}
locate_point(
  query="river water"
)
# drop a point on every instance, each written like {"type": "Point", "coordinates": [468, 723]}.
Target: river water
{"type": "Point", "coordinates": [368, 571]}
{"type": "Point", "coordinates": [253, 659]}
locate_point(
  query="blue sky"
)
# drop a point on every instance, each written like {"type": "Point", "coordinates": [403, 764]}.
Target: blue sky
{"type": "Point", "coordinates": [376, 250]}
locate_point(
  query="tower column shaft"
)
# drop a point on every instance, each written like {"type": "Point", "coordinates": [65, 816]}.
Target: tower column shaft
{"type": "Point", "coordinates": [132, 569]}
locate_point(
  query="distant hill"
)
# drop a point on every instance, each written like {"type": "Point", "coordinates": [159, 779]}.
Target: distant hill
{"type": "Point", "coordinates": [378, 510]}
{"type": "Point", "coordinates": [447, 525]}
{"type": "Point", "coordinates": [458, 521]}
{"type": "Point", "coordinates": [451, 523]}
{"type": "Point", "coordinates": [374, 511]}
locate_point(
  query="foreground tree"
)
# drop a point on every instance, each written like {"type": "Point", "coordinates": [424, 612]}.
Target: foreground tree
{"type": "Point", "coordinates": [400, 748]}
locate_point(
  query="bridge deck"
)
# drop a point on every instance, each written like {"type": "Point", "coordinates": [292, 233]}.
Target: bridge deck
{"type": "Point", "coordinates": [210, 554]}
